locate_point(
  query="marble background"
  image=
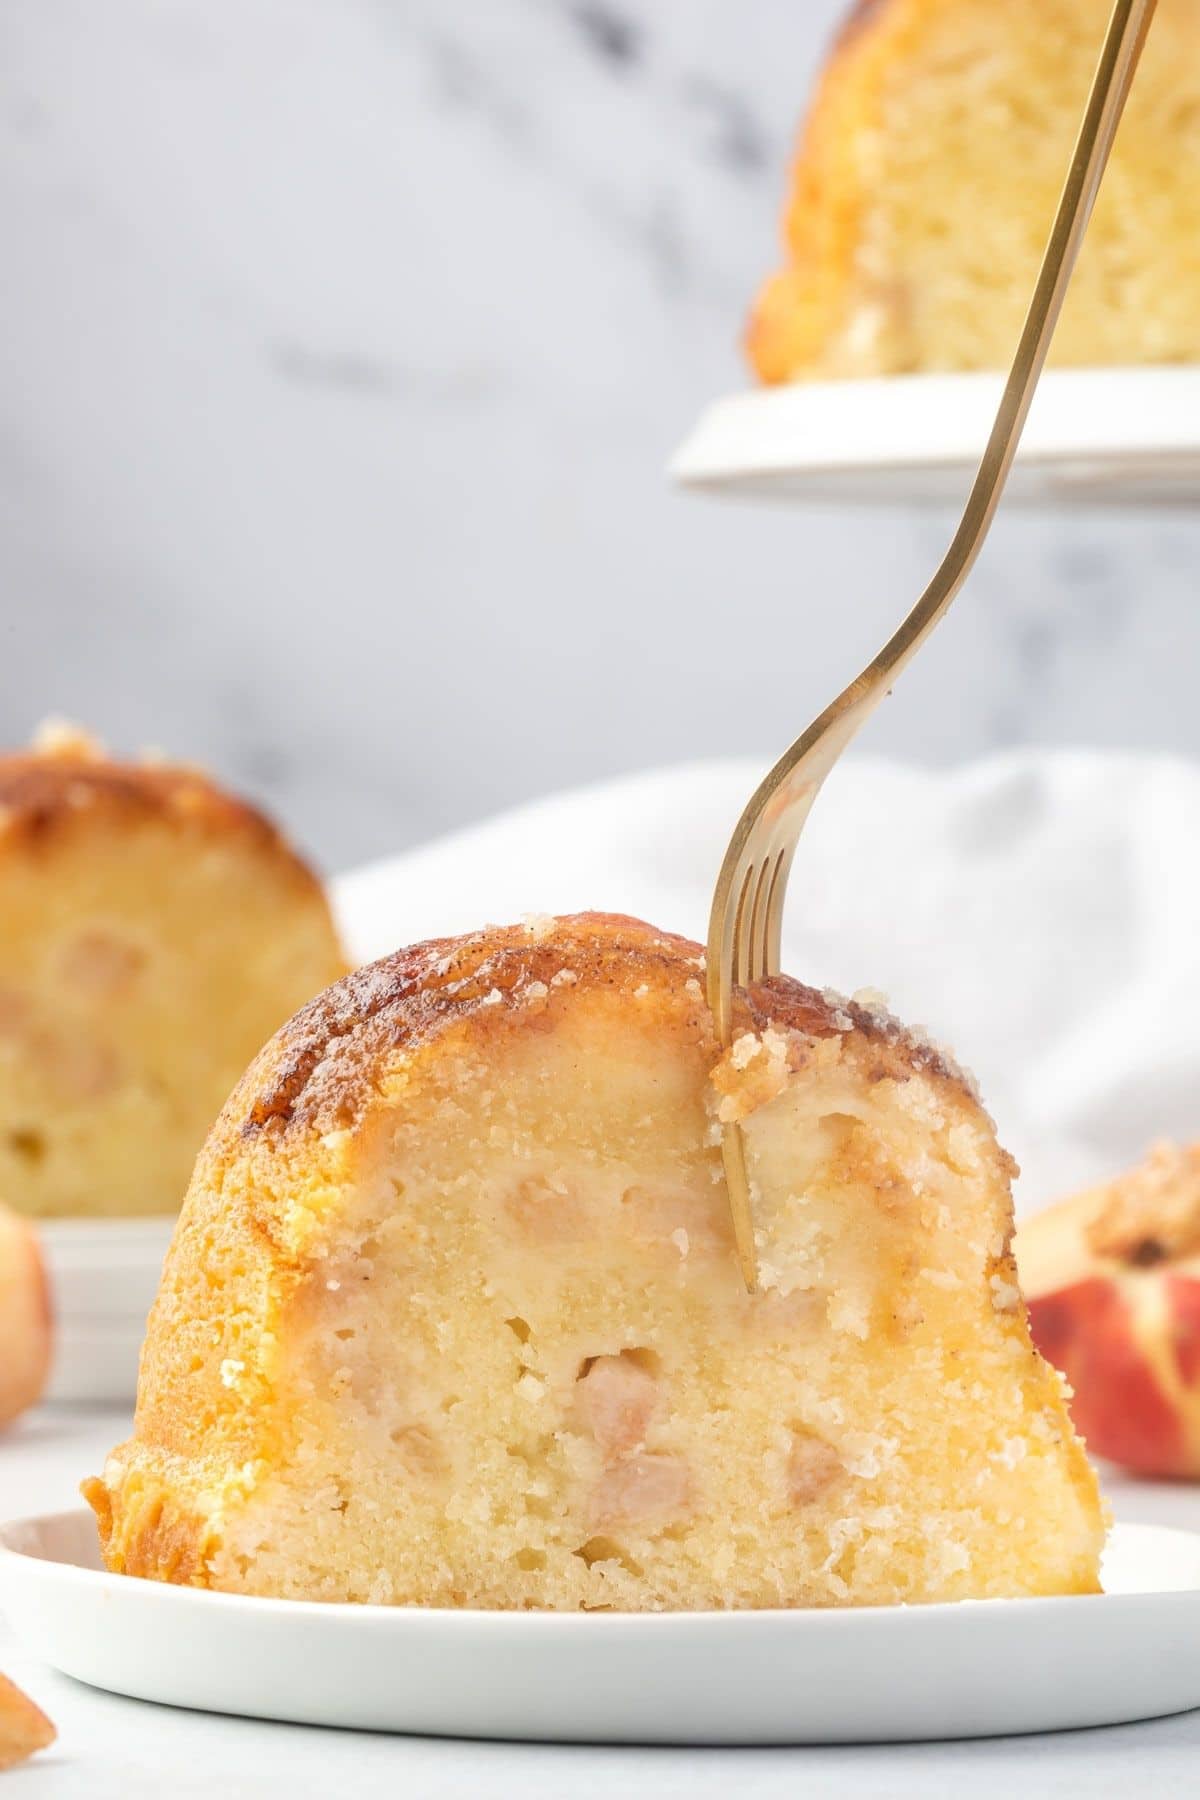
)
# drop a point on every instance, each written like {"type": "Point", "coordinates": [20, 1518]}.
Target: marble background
{"type": "Point", "coordinates": [342, 344]}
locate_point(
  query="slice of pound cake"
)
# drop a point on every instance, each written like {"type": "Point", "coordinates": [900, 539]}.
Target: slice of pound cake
{"type": "Point", "coordinates": [154, 931]}
{"type": "Point", "coordinates": [927, 176]}
{"type": "Point", "coordinates": [453, 1315]}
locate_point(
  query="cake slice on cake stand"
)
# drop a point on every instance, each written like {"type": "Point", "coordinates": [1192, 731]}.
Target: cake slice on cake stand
{"type": "Point", "coordinates": [925, 175]}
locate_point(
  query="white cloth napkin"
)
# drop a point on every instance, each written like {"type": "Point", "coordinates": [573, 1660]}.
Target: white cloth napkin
{"type": "Point", "coordinates": [1038, 912]}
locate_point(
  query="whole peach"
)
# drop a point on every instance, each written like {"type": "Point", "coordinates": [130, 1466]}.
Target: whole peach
{"type": "Point", "coordinates": [26, 1326]}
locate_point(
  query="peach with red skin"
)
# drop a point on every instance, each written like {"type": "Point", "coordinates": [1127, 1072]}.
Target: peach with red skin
{"type": "Point", "coordinates": [1112, 1282]}
{"type": "Point", "coordinates": [26, 1322]}
{"type": "Point", "coordinates": [24, 1727]}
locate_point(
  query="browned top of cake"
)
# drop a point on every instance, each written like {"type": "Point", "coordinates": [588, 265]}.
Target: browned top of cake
{"type": "Point", "coordinates": [311, 1074]}
{"type": "Point", "coordinates": [66, 776]}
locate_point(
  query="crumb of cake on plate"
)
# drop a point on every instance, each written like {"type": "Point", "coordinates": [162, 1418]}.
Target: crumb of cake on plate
{"type": "Point", "coordinates": [1112, 1278]}
{"type": "Point", "coordinates": [26, 1321]}
{"type": "Point", "coordinates": [453, 1317]}
{"type": "Point", "coordinates": [24, 1727]}
{"type": "Point", "coordinates": [154, 931]}
{"type": "Point", "coordinates": [932, 116]}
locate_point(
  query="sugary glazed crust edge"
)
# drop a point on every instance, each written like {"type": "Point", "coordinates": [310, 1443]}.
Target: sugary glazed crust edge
{"type": "Point", "coordinates": [484, 981]}
{"type": "Point", "coordinates": [798, 306]}
{"type": "Point", "coordinates": [43, 795]}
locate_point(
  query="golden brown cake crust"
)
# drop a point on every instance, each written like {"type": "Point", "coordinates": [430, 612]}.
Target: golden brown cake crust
{"type": "Point", "coordinates": [408, 998]}
{"type": "Point", "coordinates": [42, 793]}
{"type": "Point", "coordinates": [797, 309]}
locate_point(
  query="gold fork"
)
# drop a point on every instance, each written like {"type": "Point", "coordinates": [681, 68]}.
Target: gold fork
{"type": "Point", "coordinates": [745, 924]}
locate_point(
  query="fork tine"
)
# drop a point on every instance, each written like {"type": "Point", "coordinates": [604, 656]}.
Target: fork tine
{"type": "Point", "coordinates": [773, 931]}
{"type": "Point", "coordinates": [740, 958]}
{"type": "Point", "coordinates": [762, 916]}
{"type": "Point", "coordinates": [756, 934]}
{"type": "Point", "coordinates": [736, 951]}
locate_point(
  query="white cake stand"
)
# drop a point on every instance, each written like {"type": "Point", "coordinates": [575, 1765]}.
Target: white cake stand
{"type": "Point", "coordinates": [1112, 437]}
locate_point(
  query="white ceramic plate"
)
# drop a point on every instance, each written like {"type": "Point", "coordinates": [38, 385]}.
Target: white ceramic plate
{"type": "Point", "coordinates": [1110, 436]}
{"type": "Point", "coordinates": [859, 1676]}
{"type": "Point", "coordinates": [103, 1277]}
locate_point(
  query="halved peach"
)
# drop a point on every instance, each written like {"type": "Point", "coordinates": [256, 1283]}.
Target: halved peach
{"type": "Point", "coordinates": [1112, 1282]}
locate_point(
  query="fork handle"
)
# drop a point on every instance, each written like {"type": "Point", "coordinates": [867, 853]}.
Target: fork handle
{"type": "Point", "coordinates": [796, 779]}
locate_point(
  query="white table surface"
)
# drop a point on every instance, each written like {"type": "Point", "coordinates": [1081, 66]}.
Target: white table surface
{"type": "Point", "coordinates": [116, 1749]}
